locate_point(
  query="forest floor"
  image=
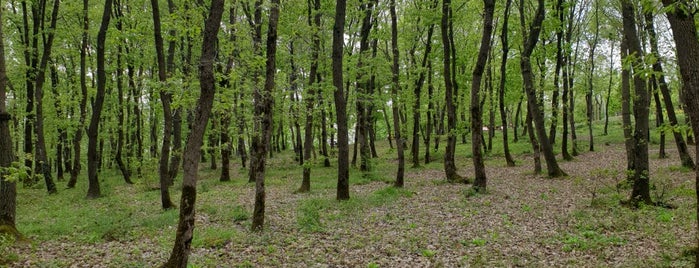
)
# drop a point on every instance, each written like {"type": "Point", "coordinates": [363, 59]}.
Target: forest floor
{"type": "Point", "coordinates": [525, 220]}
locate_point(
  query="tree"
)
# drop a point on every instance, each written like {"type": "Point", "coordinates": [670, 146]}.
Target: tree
{"type": "Point", "coordinates": [263, 120]}
{"type": "Point", "coordinates": [480, 181]}
{"type": "Point", "coordinates": [537, 115]}
{"type": "Point", "coordinates": [192, 154]}
{"type": "Point", "coordinates": [77, 138]}
{"type": "Point", "coordinates": [449, 165]}
{"type": "Point", "coordinates": [314, 17]}
{"type": "Point", "coordinates": [684, 31]}
{"type": "Point", "coordinates": [503, 80]}
{"type": "Point", "coordinates": [93, 190]}
{"type": "Point", "coordinates": [8, 187]}
{"type": "Point", "coordinates": [43, 165]}
{"type": "Point", "coordinates": [395, 89]}
{"type": "Point", "coordinates": [340, 101]}
{"type": "Point", "coordinates": [634, 61]}
{"type": "Point", "coordinates": [589, 92]}
{"type": "Point", "coordinates": [659, 75]}
{"type": "Point", "coordinates": [165, 99]}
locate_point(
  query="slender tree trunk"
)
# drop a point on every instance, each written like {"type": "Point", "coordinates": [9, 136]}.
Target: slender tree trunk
{"type": "Point", "coordinates": [93, 190]}
{"type": "Point", "coordinates": [535, 144]}
{"type": "Point", "coordinates": [641, 186]}
{"type": "Point", "coordinates": [449, 165]}
{"type": "Point", "coordinates": [165, 99]}
{"type": "Point", "coordinates": [362, 133]}
{"type": "Point", "coordinates": [480, 181]}
{"type": "Point", "coordinates": [31, 46]}
{"type": "Point", "coordinates": [430, 111]}
{"type": "Point", "coordinates": [590, 85]}
{"type": "Point", "coordinates": [609, 89]}
{"type": "Point", "coordinates": [185, 227]}
{"type": "Point", "coordinates": [120, 102]}
{"type": "Point", "coordinates": [395, 89]}
{"type": "Point", "coordinates": [75, 170]}
{"type": "Point", "coordinates": [557, 73]}
{"type": "Point", "coordinates": [685, 157]}
{"type": "Point", "coordinates": [503, 80]}
{"type": "Point", "coordinates": [263, 120]}
{"type": "Point", "coordinates": [415, 149]}
{"type": "Point", "coordinates": [62, 135]}
{"type": "Point", "coordinates": [43, 166]}
{"type": "Point", "coordinates": [314, 17]}
{"type": "Point", "coordinates": [532, 100]}
{"type": "Point", "coordinates": [658, 117]}
{"type": "Point", "coordinates": [340, 102]}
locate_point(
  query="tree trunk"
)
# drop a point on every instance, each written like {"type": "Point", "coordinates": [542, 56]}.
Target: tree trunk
{"type": "Point", "coordinates": [480, 181]}
{"type": "Point", "coordinates": [314, 17]}
{"type": "Point", "coordinates": [685, 157]}
{"type": "Point", "coordinates": [120, 102]}
{"type": "Point", "coordinates": [609, 89]}
{"type": "Point", "coordinates": [415, 149]}
{"type": "Point", "coordinates": [641, 186]}
{"type": "Point", "coordinates": [340, 102]}
{"type": "Point", "coordinates": [589, 93]}
{"type": "Point", "coordinates": [395, 89]}
{"type": "Point", "coordinates": [263, 120]}
{"type": "Point", "coordinates": [75, 170]}
{"type": "Point", "coordinates": [430, 110]}
{"type": "Point", "coordinates": [503, 80]}
{"type": "Point", "coordinates": [185, 227]}
{"type": "Point", "coordinates": [363, 97]}
{"type": "Point", "coordinates": [685, 36]}
{"type": "Point", "coordinates": [93, 190]}
{"type": "Point", "coordinates": [535, 144]}
{"type": "Point", "coordinates": [449, 165]}
{"type": "Point", "coordinates": [556, 75]}
{"type": "Point", "coordinates": [43, 166]}
{"type": "Point", "coordinates": [165, 99]}
{"type": "Point", "coordinates": [8, 189]}
{"type": "Point", "coordinates": [533, 103]}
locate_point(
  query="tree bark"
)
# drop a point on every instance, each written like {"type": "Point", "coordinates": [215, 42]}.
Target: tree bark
{"type": "Point", "coordinates": [685, 35]}
{"type": "Point", "coordinates": [120, 102]}
{"type": "Point", "coordinates": [589, 93]}
{"type": "Point", "coordinates": [480, 182]}
{"type": "Point", "coordinates": [8, 189]}
{"type": "Point", "coordinates": [641, 186]}
{"type": "Point", "coordinates": [314, 17]}
{"type": "Point", "coordinates": [659, 74]}
{"type": "Point", "coordinates": [43, 166]}
{"type": "Point", "coordinates": [340, 102]}
{"type": "Point", "coordinates": [165, 99]}
{"type": "Point", "coordinates": [449, 165]}
{"type": "Point", "coordinates": [264, 101]}
{"type": "Point", "coordinates": [93, 190]}
{"type": "Point", "coordinates": [532, 100]}
{"type": "Point", "coordinates": [395, 89]}
{"type": "Point", "coordinates": [503, 79]}
{"type": "Point", "coordinates": [185, 227]}
{"type": "Point", "coordinates": [75, 170]}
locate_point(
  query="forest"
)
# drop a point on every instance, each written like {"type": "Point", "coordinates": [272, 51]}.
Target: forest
{"type": "Point", "coordinates": [360, 133]}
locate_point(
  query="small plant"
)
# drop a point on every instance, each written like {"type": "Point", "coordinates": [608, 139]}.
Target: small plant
{"type": "Point", "coordinates": [478, 242]}
{"type": "Point", "coordinates": [240, 214]}
{"type": "Point", "coordinates": [6, 257]}
{"type": "Point", "coordinates": [372, 265]}
{"type": "Point", "coordinates": [308, 216]}
{"type": "Point", "coordinates": [428, 253]}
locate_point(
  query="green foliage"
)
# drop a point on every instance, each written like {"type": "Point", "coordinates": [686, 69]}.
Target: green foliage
{"type": "Point", "coordinates": [240, 213]}
{"type": "Point", "coordinates": [6, 255]}
{"type": "Point", "coordinates": [428, 253]}
{"type": "Point", "coordinates": [213, 237]}
{"type": "Point", "coordinates": [16, 172]}
{"type": "Point", "coordinates": [308, 215]}
{"type": "Point", "coordinates": [589, 240]}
